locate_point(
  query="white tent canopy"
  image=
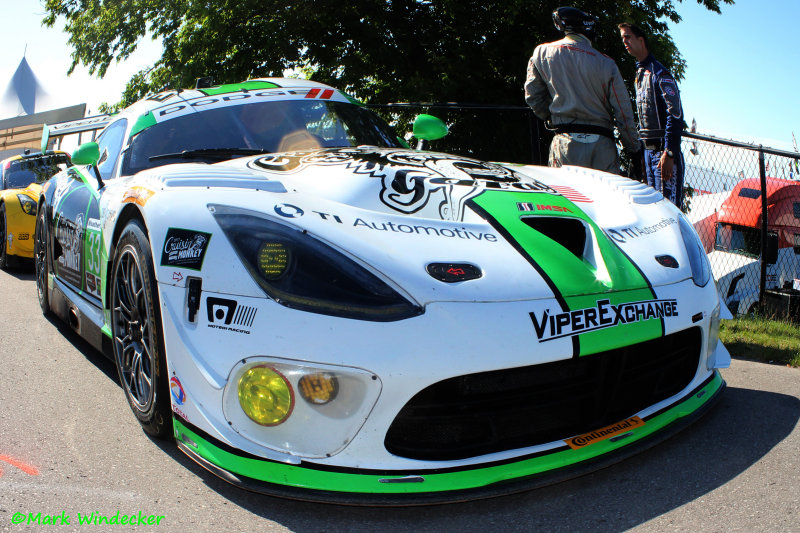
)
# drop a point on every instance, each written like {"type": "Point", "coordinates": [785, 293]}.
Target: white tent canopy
{"type": "Point", "coordinates": [24, 95]}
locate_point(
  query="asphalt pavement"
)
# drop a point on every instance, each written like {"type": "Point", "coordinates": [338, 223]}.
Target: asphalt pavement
{"type": "Point", "coordinates": [70, 446]}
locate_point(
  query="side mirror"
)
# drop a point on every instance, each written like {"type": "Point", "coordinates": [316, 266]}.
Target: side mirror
{"type": "Point", "coordinates": [772, 248]}
{"type": "Point", "coordinates": [429, 128]}
{"type": "Point", "coordinates": [86, 154]}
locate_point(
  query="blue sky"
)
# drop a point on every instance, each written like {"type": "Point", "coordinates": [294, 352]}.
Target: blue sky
{"type": "Point", "coordinates": [743, 70]}
{"type": "Point", "coordinates": [742, 77]}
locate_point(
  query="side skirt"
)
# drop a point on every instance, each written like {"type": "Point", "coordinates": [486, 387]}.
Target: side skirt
{"type": "Point", "coordinates": [82, 316]}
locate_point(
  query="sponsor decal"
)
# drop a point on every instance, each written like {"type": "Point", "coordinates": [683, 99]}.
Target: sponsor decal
{"type": "Point", "coordinates": [633, 232]}
{"type": "Point", "coordinates": [325, 216]}
{"type": "Point", "coordinates": [607, 432]}
{"type": "Point", "coordinates": [180, 413]}
{"type": "Point", "coordinates": [438, 184]}
{"type": "Point", "coordinates": [92, 247]}
{"type": "Point", "coordinates": [528, 206]}
{"type": "Point", "coordinates": [93, 224]}
{"type": "Point", "coordinates": [416, 229]}
{"type": "Point", "coordinates": [137, 195]}
{"type": "Point", "coordinates": [288, 210]}
{"type": "Point", "coordinates": [178, 394]}
{"type": "Point", "coordinates": [185, 248]}
{"type": "Point", "coordinates": [229, 315]}
{"type": "Point", "coordinates": [603, 315]}
{"type": "Point", "coordinates": [68, 234]}
{"type": "Point", "coordinates": [459, 233]}
{"type": "Point", "coordinates": [252, 96]}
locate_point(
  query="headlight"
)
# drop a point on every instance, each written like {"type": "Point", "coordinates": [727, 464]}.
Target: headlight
{"type": "Point", "coordinates": [701, 268]}
{"type": "Point", "coordinates": [306, 409]}
{"type": "Point", "coordinates": [28, 205]}
{"type": "Point", "coordinates": [301, 272]}
{"type": "Point", "coordinates": [265, 395]}
{"type": "Point", "coordinates": [713, 338]}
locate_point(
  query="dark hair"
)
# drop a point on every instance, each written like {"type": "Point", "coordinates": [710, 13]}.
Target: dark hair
{"type": "Point", "coordinates": [634, 29]}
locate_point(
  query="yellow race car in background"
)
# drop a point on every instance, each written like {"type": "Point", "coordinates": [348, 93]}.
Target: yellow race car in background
{"type": "Point", "coordinates": [21, 177]}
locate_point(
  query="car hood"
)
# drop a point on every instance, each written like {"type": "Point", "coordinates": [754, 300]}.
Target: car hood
{"type": "Point", "coordinates": [578, 231]}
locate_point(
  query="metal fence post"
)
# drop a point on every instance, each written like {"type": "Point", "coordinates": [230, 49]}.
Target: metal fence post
{"type": "Point", "coordinates": [762, 172]}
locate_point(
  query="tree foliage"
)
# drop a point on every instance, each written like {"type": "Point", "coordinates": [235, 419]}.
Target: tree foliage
{"type": "Point", "coordinates": [379, 50]}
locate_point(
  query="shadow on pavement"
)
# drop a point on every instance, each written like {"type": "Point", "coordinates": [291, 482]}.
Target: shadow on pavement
{"type": "Point", "coordinates": [738, 432]}
{"type": "Point", "coordinates": [103, 363]}
{"type": "Point", "coordinates": [22, 269]}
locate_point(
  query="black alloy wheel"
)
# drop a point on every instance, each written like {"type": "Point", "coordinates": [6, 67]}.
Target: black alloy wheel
{"type": "Point", "coordinates": [136, 329]}
{"type": "Point", "coordinates": [40, 260]}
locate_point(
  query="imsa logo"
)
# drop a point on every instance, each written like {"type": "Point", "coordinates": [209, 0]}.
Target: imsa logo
{"type": "Point", "coordinates": [604, 315]}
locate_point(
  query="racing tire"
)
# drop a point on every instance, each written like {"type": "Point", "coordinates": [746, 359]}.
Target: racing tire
{"type": "Point", "coordinates": [40, 264]}
{"type": "Point", "coordinates": [137, 341]}
{"type": "Point", "coordinates": [3, 245]}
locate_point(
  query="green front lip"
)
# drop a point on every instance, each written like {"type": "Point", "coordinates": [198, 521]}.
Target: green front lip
{"type": "Point", "coordinates": [248, 469]}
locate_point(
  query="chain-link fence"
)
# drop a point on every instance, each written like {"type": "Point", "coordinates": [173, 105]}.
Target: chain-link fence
{"type": "Point", "coordinates": [728, 186]}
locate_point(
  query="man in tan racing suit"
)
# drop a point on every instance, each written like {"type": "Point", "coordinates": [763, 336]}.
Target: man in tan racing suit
{"type": "Point", "coordinates": [580, 95]}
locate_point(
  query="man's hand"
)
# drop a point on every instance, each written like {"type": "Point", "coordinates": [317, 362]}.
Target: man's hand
{"type": "Point", "coordinates": [666, 166]}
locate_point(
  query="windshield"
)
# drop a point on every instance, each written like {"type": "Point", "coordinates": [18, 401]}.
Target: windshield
{"type": "Point", "coordinates": [22, 172]}
{"type": "Point", "coordinates": [738, 239]}
{"type": "Point", "coordinates": [264, 127]}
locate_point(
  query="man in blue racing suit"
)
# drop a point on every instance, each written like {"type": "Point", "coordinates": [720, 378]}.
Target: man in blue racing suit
{"type": "Point", "coordinates": [660, 112]}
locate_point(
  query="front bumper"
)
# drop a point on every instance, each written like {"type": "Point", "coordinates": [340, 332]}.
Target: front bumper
{"type": "Point", "coordinates": [19, 230]}
{"type": "Point", "coordinates": [322, 483]}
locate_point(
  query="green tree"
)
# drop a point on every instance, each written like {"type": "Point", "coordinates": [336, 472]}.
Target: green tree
{"type": "Point", "coordinates": [378, 50]}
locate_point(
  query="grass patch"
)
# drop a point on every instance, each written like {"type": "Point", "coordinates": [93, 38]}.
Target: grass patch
{"type": "Point", "coordinates": [762, 339]}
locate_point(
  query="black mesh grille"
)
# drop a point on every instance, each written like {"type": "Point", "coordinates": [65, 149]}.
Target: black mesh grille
{"type": "Point", "coordinates": [501, 410]}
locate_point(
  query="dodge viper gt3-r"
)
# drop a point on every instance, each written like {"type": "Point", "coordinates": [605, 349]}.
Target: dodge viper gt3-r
{"type": "Point", "coordinates": [21, 177]}
{"type": "Point", "coordinates": [314, 310]}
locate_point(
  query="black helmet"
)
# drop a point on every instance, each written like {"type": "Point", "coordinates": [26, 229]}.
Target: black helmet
{"type": "Point", "coordinates": [574, 20]}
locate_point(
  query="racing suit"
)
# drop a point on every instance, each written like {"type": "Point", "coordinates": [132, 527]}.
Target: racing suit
{"type": "Point", "coordinates": [579, 92]}
{"type": "Point", "coordinates": [658, 103]}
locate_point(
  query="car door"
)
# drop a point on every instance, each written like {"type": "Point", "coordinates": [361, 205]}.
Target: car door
{"type": "Point", "coordinates": [76, 222]}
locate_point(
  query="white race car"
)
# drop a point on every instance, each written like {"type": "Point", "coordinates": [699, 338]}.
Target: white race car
{"type": "Point", "coordinates": [316, 311]}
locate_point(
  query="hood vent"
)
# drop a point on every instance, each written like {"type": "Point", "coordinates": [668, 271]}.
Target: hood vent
{"type": "Point", "coordinates": [568, 232]}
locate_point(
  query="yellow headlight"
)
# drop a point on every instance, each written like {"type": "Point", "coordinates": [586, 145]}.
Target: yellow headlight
{"type": "Point", "coordinates": [273, 259]}
{"type": "Point", "coordinates": [318, 388]}
{"type": "Point", "coordinates": [265, 395]}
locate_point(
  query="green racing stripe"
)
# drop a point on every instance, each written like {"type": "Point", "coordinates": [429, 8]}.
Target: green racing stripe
{"type": "Point", "coordinates": [585, 287]}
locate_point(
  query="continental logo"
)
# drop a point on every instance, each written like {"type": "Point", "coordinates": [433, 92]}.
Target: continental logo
{"type": "Point", "coordinates": [603, 315]}
{"type": "Point", "coordinates": [581, 441]}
